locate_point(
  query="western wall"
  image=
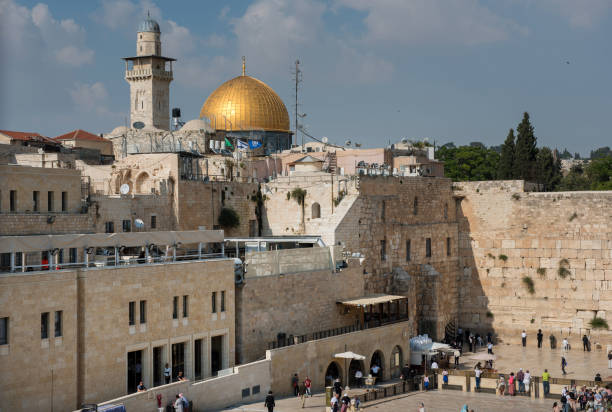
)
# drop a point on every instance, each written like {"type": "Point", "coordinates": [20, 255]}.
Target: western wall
{"type": "Point", "coordinates": [561, 240]}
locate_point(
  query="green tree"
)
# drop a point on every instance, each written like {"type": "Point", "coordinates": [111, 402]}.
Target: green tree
{"type": "Point", "coordinates": [565, 154]}
{"type": "Point", "coordinates": [601, 152]}
{"type": "Point", "coordinates": [506, 159]}
{"type": "Point", "coordinates": [599, 173]}
{"type": "Point", "coordinates": [548, 169]}
{"type": "Point", "coordinates": [526, 150]}
{"type": "Point", "coordinates": [469, 163]}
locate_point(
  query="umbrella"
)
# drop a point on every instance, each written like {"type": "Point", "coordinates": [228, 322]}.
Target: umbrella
{"type": "Point", "coordinates": [348, 355]}
{"type": "Point", "coordinates": [483, 356]}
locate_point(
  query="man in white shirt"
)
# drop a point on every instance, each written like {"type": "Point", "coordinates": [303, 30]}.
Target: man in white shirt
{"type": "Point", "coordinates": [524, 338]}
{"type": "Point", "coordinates": [358, 377]}
{"type": "Point", "coordinates": [477, 373]}
{"type": "Point", "coordinates": [490, 348]}
{"type": "Point", "coordinates": [565, 344]}
{"type": "Point", "coordinates": [421, 407]}
{"type": "Point", "coordinates": [434, 365]}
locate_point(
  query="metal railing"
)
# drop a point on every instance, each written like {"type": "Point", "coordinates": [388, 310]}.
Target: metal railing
{"type": "Point", "coordinates": [297, 339]}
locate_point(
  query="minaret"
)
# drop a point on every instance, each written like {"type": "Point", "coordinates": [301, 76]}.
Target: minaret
{"type": "Point", "coordinates": [149, 75]}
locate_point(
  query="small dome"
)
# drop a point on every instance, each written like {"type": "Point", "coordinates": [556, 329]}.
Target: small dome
{"type": "Point", "coordinates": [149, 25]}
{"type": "Point", "coordinates": [118, 131]}
{"type": "Point", "coordinates": [197, 125]}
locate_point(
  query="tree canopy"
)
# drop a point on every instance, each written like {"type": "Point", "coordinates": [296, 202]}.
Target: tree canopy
{"type": "Point", "coordinates": [469, 162]}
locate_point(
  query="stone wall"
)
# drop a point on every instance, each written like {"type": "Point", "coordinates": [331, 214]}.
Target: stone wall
{"type": "Point", "coordinates": [293, 304]}
{"type": "Point", "coordinates": [508, 234]}
{"type": "Point", "coordinates": [14, 224]}
{"type": "Point", "coordinates": [95, 305]}
{"type": "Point", "coordinates": [313, 358]}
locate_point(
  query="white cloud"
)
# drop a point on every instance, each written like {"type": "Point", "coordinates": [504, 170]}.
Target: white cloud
{"type": "Point", "coordinates": [73, 56]}
{"type": "Point", "coordinates": [459, 22]}
{"type": "Point", "coordinates": [582, 14]}
{"type": "Point", "coordinates": [89, 97]}
{"type": "Point", "coordinates": [177, 41]}
{"type": "Point", "coordinates": [125, 15]}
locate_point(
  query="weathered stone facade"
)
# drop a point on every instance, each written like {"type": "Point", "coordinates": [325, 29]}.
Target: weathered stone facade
{"type": "Point", "coordinates": [562, 241]}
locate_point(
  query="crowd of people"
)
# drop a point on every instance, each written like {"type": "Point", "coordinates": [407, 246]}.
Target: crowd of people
{"type": "Point", "coordinates": [574, 399]}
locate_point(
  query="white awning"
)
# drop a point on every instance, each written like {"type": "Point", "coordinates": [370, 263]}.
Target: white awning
{"type": "Point", "coordinates": [10, 244]}
{"type": "Point", "coordinates": [372, 300]}
{"type": "Point", "coordinates": [349, 355]}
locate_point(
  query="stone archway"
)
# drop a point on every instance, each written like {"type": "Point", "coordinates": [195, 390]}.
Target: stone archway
{"type": "Point", "coordinates": [142, 183]}
{"type": "Point", "coordinates": [333, 372]}
{"type": "Point", "coordinates": [396, 362]}
{"type": "Point", "coordinates": [354, 366]}
{"type": "Point", "coordinates": [315, 211]}
{"type": "Point", "coordinates": [377, 359]}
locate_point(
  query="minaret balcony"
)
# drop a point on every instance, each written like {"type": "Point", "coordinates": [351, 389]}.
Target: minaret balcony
{"type": "Point", "coordinates": [147, 73]}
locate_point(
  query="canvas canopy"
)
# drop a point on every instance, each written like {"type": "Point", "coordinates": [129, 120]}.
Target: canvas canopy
{"type": "Point", "coordinates": [349, 355]}
{"type": "Point", "coordinates": [372, 300]}
{"type": "Point", "coordinates": [9, 244]}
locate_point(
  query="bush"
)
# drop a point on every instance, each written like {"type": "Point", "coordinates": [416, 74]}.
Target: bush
{"type": "Point", "coordinates": [228, 218]}
{"type": "Point", "coordinates": [541, 272]}
{"type": "Point", "coordinates": [563, 270]}
{"type": "Point", "coordinates": [516, 196]}
{"type": "Point", "coordinates": [598, 323]}
{"type": "Point", "coordinates": [489, 314]}
{"type": "Point", "coordinates": [503, 257]}
{"type": "Point", "coordinates": [528, 282]}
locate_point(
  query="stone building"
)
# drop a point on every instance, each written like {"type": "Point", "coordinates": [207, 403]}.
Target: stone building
{"type": "Point", "coordinates": [86, 334]}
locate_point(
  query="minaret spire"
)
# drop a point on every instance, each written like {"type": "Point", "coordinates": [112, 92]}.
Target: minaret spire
{"type": "Point", "coordinates": [243, 65]}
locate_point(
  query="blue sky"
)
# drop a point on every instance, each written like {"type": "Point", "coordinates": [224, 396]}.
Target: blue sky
{"type": "Point", "coordinates": [373, 71]}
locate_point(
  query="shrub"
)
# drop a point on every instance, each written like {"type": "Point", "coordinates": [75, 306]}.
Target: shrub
{"type": "Point", "coordinates": [574, 216]}
{"type": "Point", "coordinates": [228, 218]}
{"type": "Point", "coordinates": [516, 196]}
{"type": "Point", "coordinates": [490, 255]}
{"type": "Point", "coordinates": [563, 270]}
{"type": "Point", "coordinates": [598, 323]}
{"type": "Point", "coordinates": [541, 272]}
{"type": "Point", "coordinates": [532, 320]}
{"type": "Point", "coordinates": [503, 257]}
{"type": "Point", "coordinates": [489, 314]}
{"type": "Point", "coordinates": [528, 282]}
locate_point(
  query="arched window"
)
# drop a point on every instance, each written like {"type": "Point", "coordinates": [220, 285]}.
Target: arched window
{"type": "Point", "coordinates": [315, 211]}
{"type": "Point", "coordinates": [416, 205]}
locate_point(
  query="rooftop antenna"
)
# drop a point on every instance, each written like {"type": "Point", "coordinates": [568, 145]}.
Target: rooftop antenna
{"type": "Point", "coordinates": [243, 66]}
{"type": "Point", "coordinates": [297, 76]}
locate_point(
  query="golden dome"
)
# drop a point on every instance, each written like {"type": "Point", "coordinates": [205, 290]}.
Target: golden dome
{"type": "Point", "coordinates": [245, 103]}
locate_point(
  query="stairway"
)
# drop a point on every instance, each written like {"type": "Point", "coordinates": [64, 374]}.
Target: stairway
{"type": "Point", "coordinates": [331, 162]}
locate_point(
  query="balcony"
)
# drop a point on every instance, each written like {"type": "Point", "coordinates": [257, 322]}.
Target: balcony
{"type": "Point", "coordinates": [146, 73]}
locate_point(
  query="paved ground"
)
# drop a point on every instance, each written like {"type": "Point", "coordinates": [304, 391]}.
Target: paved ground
{"type": "Point", "coordinates": [581, 365]}
{"type": "Point", "coordinates": [435, 401]}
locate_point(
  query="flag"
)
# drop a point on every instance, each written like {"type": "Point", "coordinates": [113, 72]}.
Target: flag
{"type": "Point", "coordinates": [254, 144]}
{"type": "Point", "coordinates": [241, 145]}
{"type": "Point", "coordinates": [228, 143]}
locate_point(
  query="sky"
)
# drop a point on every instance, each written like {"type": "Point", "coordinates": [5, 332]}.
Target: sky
{"type": "Point", "coordinates": [373, 72]}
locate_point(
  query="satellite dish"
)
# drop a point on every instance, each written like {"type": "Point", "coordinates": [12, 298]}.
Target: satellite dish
{"type": "Point", "coordinates": [124, 189]}
{"type": "Point", "coordinates": [139, 223]}
{"type": "Point", "coordinates": [404, 140]}
{"type": "Point", "coordinates": [324, 139]}
{"type": "Point", "coordinates": [357, 144]}
{"type": "Point", "coordinates": [347, 143]}
{"type": "Point", "coordinates": [138, 125]}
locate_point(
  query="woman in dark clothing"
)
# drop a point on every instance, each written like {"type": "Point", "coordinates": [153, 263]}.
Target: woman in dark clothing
{"type": "Point", "coordinates": [269, 403]}
{"type": "Point", "coordinates": [338, 388]}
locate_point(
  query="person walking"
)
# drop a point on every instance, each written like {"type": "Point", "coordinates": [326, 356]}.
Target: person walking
{"type": "Point", "coordinates": [307, 386]}
{"type": "Point", "coordinates": [520, 376]}
{"type": "Point", "coordinates": [586, 347]}
{"type": "Point", "coordinates": [565, 344]}
{"type": "Point", "coordinates": [269, 402]}
{"type": "Point", "coordinates": [546, 382]}
{"type": "Point", "coordinates": [501, 386]}
{"type": "Point", "coordinates": [490, 348]}
{"type": "Point", "coordinates": [457, 354]}
{"type": "Point", "coordinates": [295, 384]}
{"type": "Point", "coordinates": [553, 341]}
{"type": "Point", "coordinates": [511, 384]}
{"type": "Point", "coordinates": [445, 377]}
{"type": "Point", "coordinates": [178, 404]}
{"type": "Point", "coordinates": [426, 382]}
{"type": "Point", "coordinates": [563, 364]}
{"type": "Point", "coordinates": [610, 360]}
{"type": "Point", "coordinates": [334, 403]}
{"type": "Point", "coordinates": [539, 337]}
{"type": "Point", "coordinates": [524, 338]}
{"type": "Point", "coordinates": [346, 401]}
{"type": "Point", "coordinates": [167, 374]}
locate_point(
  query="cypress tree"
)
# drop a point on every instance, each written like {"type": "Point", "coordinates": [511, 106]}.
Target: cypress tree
{"type": "Point", "coordinates": [525, 151]}
{"type": "Point", "coordinates": [506, 159]}
{"type": "Point", "coordinates": [548, 169]}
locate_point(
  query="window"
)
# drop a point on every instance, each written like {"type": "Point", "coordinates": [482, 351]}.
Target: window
{"type": "Point", "coordinates": [132, 315]}
{"type": "Point", "coordinates": [13, 200]}
{"type": "Point", "coordinates": [315, 211]}
{"type": "Point", "coordinates": [109, 227]}
{"type": "Point", "coordinates": [175, 307]}
{"type": "Point", "coordinates": [214, 302]}
{"type": "Point", "coordinates": [382, 210]}
{"type": "Point", "coordinates": [4, 331]}
{"type": "Point", "coordinates": [64, 201]}
{"type": "Point", "coordinates": [153, 221]}
{"type": "Point", "coordinates": [185, 306]}
{"type": "Point", "coordinates": [127, 225]}
{"type": "Point", "coordinates": [58, 323]}
{"type": "Point", "coordinates": [44, 325]}
{"type": "Point", "coordinates": [448, 246]}
{"type": "Point", "coordinates": [415, 206]}
{"type": "Point", "coordinates": [50, 201]}
{"type": "Point", "coordinates": [36, 201]}
{"type": "Point", "coordinates": [428, 247]}
{"type": "Point", "coordinates": [445, 210]}
{"type": "Point", "coordinates": [223, 301]}
{"type": "Point", "coordinates": [383, 250]}
{"type": "Point", "coordinates": [72, 252]}
{"type": "Point", "coordinates": [408, 250]}
{"type": "Point", "coordinates": [143, 311]}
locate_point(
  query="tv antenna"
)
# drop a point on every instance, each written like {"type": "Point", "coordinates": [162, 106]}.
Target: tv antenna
{"type": "Point", "coordinates": [297, 77]}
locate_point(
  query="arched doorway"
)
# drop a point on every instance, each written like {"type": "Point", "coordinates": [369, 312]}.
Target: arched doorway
{"type": "Point", "coordinates": [332, 373]}
{"type": "Point", "coordinates": [142, 184]}
{"type": "Point", "coordinates": [315, 211]}
{"type": "Point", "coordinates": [356, 365]}
{"type": "Point", "coordinates": [377, 364]}
{"type": "Point", "coordinates": [396, 362]}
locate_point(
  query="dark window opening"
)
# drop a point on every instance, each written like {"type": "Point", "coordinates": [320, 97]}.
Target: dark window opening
{"type": "Point", "coordinates": [58, 323]}
{"type": "Point", "coordinates": [64, 201]}
{"type": "Point", "coordinates": [408, 251]}
{"type": "Point", "coordinates": [4, 331]}
{"type": "Point", "coordinates": [178, 359]}
{"type": "Point", "coordinates": [383, 250]}
{"type": "Point", "coordinates": [143, 311]}
{"type": "Point", "coordinates": [415, 210]}
{"type": "Point", "coordinates": [44, 325]}
{"type": "Point", "coordinates": [132, 313]}
{"type": "Point", "coordinates": [50, 201]}
{"type": "Point", "coordinates": [134, 372]}
{"type": "Point", "coordinates": [197, 361]}
{"type": "Point", "coordinates": [36, 201]}
{"type": "Point", "coordinates": [223, 301]}
{"type": "Point", "coordinates": [448, 246]}
{"type": "Point", "coordinates": [214, 302]}
{"type": "Point", "coordinates": [13, 200]}
{"type": "Point", "coordinates": [175, 307]}
{"type": "Point", "coordinates": [428, 247]}
{"type": "Point", "coordinates": [109, 227]}
{"type": "Point", "coordinates": [185, 306]}
{"type": "Point", "coordinates": [127, 225]}
{"type": "Point", "coordinates": [153, 222]}
{"type": "Point", "coordinates": [216, 354]}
